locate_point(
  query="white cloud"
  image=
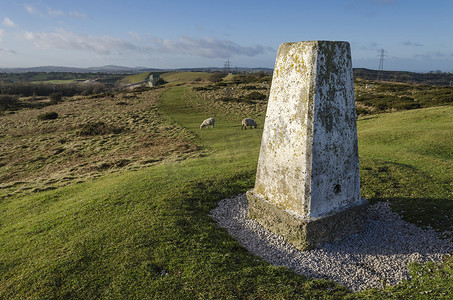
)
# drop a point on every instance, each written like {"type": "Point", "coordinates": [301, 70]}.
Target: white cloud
{"type": "Point", "coordinates": [432, 55]}
{"type": "Point", "coordinates": [1, 34]}
{"type": "Point", "coordinates": [63, 39]}
{"type": "Point", "coordinates": [8, 22]}
{"type": "Point", "coordinates": [202, 47]}
{"type": "Point", "coordinates": [55, 12]}
{"type": "Point", "coordinates": [136, 36]}
{"type": "Point", "coordinates": [409, 43]}
{"type": "Point", "coordinates": [78, 15]}
{"type": "Point", "coordinates": [30, 9]}
{"type": "Point", "coordinates": [8, 51]}
{"type": "Point", "coordinates": [365, 46]}
{"type": "Point", "coordinates": [206, 47]}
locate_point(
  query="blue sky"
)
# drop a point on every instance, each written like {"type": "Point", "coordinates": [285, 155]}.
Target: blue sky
{"type": "Point", "coordinates": [417, 35]}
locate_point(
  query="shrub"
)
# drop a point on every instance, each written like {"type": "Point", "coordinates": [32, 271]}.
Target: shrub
{"type": "Point", "coordinates": [237, 100]}
{"type": "Point", "coordinates": [406, 105]}
{"type": "Point", "coordinates": [161, 81]}
{"type": "Point", "coordinates": [201, 88]}
{"type": "Point", "coordinates": [99, 128]}
{"type": "Point", "coordinates": [55, 98]}
{"type": "Point", "coordinates": [51, 115]}
{"type": "Point", "coordinates": [362, 111]}
{"type": "Point", "coordinates": [96, 96]}
{"type": "Point", "coordinates": [86, 92]}
{"type": "Point", "coordinates": [206, 88]}
{"type": "Point", "coordinates": [382, 106]}
{"type": "Point", "coordinates": [142, 89]}
{"type": "Point", "coordinates": [255, 96]}
{"type": "Point", "coordinates": [363, 97]}
{"type": "Point", "coordinates": [406, 99]}
{"type": "Point", "coordinates": [7, 101]}
{"type": "Point", "coordinates": [217, 77]}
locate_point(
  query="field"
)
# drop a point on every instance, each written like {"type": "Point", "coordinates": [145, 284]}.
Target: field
{"type": "Point", "coordinates": [89, 137]}
{"type": "Point", "coordinates": [135, 78]}
{"type": "Point", "coordinates": [377, 97]}
{"type": "Point", "coordinates": [111, 198]}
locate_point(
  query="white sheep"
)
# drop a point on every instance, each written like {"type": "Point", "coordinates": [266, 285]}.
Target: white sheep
{"type": "Point", "coordinates": [207, 122]}
{"type": "Point", "coordinates": [248, 122]}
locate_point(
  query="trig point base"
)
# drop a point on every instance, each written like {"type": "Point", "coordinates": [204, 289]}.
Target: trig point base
{"type": "Point", "coordinates": [307, 185]}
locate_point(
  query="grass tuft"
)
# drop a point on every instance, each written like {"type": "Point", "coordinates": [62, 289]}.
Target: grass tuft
{"type": "Point", "coordinates": [51, 115]}
{"type": "Point", "coordinates": [99, 128]}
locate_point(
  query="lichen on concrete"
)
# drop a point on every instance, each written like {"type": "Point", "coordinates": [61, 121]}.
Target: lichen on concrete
{"type": "Point", "coordinates": [308, 164]}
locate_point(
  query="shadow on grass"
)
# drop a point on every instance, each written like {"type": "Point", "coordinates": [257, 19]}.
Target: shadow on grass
{"type": "Point", "coordinates": [423, 212]}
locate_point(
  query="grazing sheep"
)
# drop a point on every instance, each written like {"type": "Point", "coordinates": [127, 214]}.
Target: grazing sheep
{"type": "Point", "coordinates": [207, 122]}
{"type": "Point", "coordinates": [248, 122]}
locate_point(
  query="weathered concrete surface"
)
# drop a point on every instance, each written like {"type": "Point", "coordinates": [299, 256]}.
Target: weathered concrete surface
{"type": "Point", "coordinates": [306, 233]}
{"type": "Point", "coordinates": [308, 164]}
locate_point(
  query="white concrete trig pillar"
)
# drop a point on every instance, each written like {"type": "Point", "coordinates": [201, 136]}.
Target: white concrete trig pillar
{"type": "Point", "coordinates": [307, 185]}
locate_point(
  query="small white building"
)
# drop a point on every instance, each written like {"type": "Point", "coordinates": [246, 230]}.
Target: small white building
{"type": "Point", "coordinates": [152, 80]}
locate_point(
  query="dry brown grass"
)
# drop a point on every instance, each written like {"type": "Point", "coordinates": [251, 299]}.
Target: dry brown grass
{"type": "Point", "coordinates": [45, 154]}
{"type": "Point", "coordinates": [213, 100]}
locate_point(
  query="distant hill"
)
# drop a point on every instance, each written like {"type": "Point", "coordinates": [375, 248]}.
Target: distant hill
{"type": "Point", "coordinates": [101, 69]}
{"type": "Point", "coordinates": [432, 78]}
{"type": "Point", "coordinates": [122, 69]}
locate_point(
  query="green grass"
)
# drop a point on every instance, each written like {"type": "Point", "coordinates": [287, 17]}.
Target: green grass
{"type": "Point", "coordinates": [407, 157]}
{"type": "Point", "coordinates": [135, 78]}
{"type": "Point", "coordinates": [227, 142]}
{"type": "Point", "coordinates": [58, 81]}
{"type": "Point", "coordinates": [148, 234]}
{"type": "Point", "coordinates": [184, 77]}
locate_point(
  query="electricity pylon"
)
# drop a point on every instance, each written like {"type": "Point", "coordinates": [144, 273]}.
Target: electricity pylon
{"type": "Point", "coordinates": [381, 65]}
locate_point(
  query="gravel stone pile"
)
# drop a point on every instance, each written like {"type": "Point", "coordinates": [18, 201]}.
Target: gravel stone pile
{"type": "Point", "coordinates": [376, 256]}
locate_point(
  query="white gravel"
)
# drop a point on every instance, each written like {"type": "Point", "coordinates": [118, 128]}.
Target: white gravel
{"type": "Point", "coordinates": [380, 253]}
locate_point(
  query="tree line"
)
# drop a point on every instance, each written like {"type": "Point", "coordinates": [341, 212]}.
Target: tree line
{"type": "Point", "coordinates": [25, 89]}
{"type": "Point", "coordinates": [10, 93]}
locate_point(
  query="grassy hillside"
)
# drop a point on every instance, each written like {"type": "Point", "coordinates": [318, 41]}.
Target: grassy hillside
{"type": "Point", "coordinates": [88, 137]}
{"type": "Point", "coordinates": [170, 77]}
{"type": "Point", "coordinates": [135, 78]}
{"type": "Point", "coordinates": [407, 157]}
{"type": "Point", "coordinates": [146, 233]}
{"type": "Point", "coordinates": [185, 77]}
{"type": "Point", "coordinates": [432, 78]}
{"type": "Point", "coordinates": [377, 97]}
